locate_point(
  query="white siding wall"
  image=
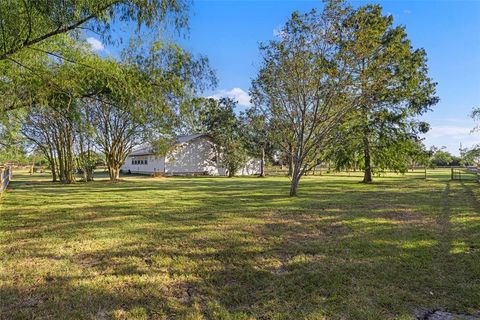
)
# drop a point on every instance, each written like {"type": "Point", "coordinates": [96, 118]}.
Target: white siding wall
{"type": "Point", "coordinates": [154, 164]}
{"type": "Point", "coordinates": [197, 156]}
{"type": "Point", "coordinates": [251, 167]}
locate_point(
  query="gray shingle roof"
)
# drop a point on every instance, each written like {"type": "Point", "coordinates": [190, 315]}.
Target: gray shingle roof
{"type": "Point", "coordinates": [182, 139]}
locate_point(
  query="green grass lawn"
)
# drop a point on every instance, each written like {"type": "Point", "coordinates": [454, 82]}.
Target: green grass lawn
{"type": "Point", "coordinates": [239, 248]}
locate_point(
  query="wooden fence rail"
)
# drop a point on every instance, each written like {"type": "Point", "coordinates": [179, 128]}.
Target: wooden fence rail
{"type": "Point", "coordinates": [465, 173]}
{"type": "Point", "coordinates": [5, 177]}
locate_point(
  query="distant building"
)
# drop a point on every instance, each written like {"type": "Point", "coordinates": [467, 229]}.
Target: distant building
{"type": "Point", "coordinates": [192, 155]}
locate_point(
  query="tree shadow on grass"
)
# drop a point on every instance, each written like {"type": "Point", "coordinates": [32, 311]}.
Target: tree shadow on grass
{"type": "Point", "coordinates": [340, 250]}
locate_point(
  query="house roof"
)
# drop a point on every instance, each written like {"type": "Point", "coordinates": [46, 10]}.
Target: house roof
{"type": "Point", "coordinates": [146, 149]}
{"type": "Point", "coordinates": [182, 139]}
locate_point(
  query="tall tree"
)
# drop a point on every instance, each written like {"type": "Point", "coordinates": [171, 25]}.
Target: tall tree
{"type": "Point", "coordinates": [85, 146]}
{"type": "Point", "coordinates": [304, 86]}
{"type": "Point", "coordinates": [440, 157]}
{"type": "Point", "coordinates": [392, 79]}
{"type": "Point", "coordinates": [113, 105]}
{"type": "Point", "coordinates": [144, 103]}
{"type": "Point", "coordinates": [256, 132]}
{"type": "Point", "coordinates": [53, 133]}
{"type": "Point", "coordinates": [223, 126]}
{"type": "Point", "coordinates": [117, 131]}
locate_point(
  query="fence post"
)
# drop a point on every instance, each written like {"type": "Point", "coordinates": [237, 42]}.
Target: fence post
{"type": "Point", "coordinates": [451, 175]}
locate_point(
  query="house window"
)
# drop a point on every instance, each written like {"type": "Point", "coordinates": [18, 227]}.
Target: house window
{"type": "Point", "coordinates": [137, 162]}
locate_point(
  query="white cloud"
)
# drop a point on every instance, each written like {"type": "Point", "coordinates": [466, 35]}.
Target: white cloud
{"type": "Point", "coordinates": [236, 93]}
{"type": "Point", "coordinates": [406, 11]}
{"type": "Point", "coordinates": [448, 131]}
{"type": "Point", "coordinates": [95, 44]}
{"type": "Point", "coordinates": [451, 136]}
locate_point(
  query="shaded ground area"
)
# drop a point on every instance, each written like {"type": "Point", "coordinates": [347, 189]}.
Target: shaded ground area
{"type": "Point", "coordinates": [219, 248]}
{"type": "Point", "coordinates": [443, 315]}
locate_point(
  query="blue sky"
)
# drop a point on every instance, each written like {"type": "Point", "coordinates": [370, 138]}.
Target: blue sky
{"type": "Point", "coordinates": [228, 33]}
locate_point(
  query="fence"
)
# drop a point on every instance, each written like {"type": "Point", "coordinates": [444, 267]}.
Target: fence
{"type": "Point", "coordinates": [465, 173]}
{"type": "Point", "coordinates": [5, 177]}
{"type": "Point", "coordinates": [283, 170]}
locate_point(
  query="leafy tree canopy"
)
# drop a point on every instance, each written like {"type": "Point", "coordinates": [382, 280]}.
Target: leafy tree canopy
{"type": "Point", "coordinates": [223, 125]}
{"type": "Point", "coordinates": [25, 23]}
{"type": "Point", "coordinates": [394, 87]}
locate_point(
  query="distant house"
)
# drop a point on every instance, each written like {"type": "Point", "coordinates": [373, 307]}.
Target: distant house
{"type": "Point", "coordinates": [192, 155]}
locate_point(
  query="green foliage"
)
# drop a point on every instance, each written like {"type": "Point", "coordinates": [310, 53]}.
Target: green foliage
{"type": "Point", "coordinates": [394, 87]}
{"type": "Point", "coordinates": [304, 85]}
{"type": "Point", "coordinates": [12, 144]}
{"type": "Point", "coordinates": [256, 131]}
{"type": "Point", "coordinates": [223, 126]}
{"type": "Point", "coordinates": [25, 23]}
{"type": "Point", "coordinates": [441, 157]}
{"type": "Point", "coordinates": [108, 105]}
{"type": "Point", "coordinates": [471, 157]}
{"type": "Point", "coordinates": [344, 85]}
{"type": "Point", "coordinates": [36, 35]}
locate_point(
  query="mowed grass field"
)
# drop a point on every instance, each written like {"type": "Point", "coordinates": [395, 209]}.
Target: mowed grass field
{"type": "Point", "coordinates": [239, 248]}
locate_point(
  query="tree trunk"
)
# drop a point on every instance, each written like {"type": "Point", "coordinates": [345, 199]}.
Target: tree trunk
{"type": "Point", "coordinates": [53, 167]}
{"type": "Point", "coordinates": [297, 174]}
{"type": "Point", "coordinates": [54, 171]}
{"type": "Point", "coordinates": [114, 173]}
{"type": "Point", "coordinates": [262, 164]}
{"type": "Point", "coordinates": [367, 177]}
{"type": "Point", "coordinates": [290, 161]}
{"type": "Point", "coordinates": [85, 174]}
{"type": "Point", "coordinates": [294, 185]}
{"type": "Point", "coordinates": [231, 171]}
{"type": "Point", "coordinates": [90, 174]}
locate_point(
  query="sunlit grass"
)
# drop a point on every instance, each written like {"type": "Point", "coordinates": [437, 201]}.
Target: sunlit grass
{"type": "Point", "coordinates": [240, 248]}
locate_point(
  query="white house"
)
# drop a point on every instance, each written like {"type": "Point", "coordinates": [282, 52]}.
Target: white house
{"type": "Point", "coordinates": [192, 155]}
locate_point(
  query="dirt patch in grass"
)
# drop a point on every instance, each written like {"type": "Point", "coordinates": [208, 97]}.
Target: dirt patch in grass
{"type": "Point", "coordinates": [424, 314]}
